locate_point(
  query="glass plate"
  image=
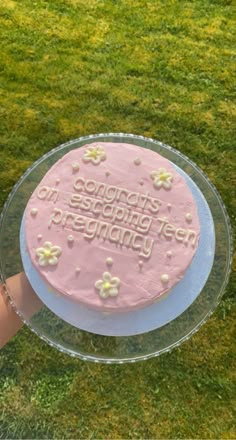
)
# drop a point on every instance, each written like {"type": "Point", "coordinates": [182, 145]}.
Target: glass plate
{"type": "Point", "coordinates": [114, 349]}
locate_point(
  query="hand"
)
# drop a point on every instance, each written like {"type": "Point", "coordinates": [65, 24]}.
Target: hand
{"type": "Point", "coordinates": [22, 294]}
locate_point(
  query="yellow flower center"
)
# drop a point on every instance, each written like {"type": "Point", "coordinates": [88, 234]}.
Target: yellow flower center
{"type": "Point", "coordinates": [47, 253]}
{"type": "Point", "coordinates": [162, 176]}
{"type": "Point", "coordinates": [93, 153]}
{"type": "Point", "coordinates": [106, 285]}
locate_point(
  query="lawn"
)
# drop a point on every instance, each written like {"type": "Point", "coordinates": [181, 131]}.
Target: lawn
{"type": "Point", "coordinates": [159, 68]}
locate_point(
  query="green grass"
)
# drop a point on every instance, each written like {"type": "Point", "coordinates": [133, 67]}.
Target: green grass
{"type": "Point", "coordinates": [163, 69]}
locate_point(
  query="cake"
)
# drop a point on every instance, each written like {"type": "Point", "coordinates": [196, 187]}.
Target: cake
{"type": "Point", "coordinates": [112, 227]}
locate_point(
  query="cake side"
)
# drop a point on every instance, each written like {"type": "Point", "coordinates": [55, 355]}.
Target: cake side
{"type": "Point", "coordinates": [112, 226]}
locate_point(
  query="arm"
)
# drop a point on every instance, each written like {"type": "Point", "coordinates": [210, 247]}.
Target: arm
{"type": "Point", "coordinates": [23, 295]}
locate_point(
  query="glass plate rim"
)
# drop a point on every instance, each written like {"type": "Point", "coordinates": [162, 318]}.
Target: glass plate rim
{"type": "Point", "coordinates": [112, 360]}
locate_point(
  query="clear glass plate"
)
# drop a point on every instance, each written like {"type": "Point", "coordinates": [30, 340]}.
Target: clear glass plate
{"type": "Point", "coordinates": [111, 349]}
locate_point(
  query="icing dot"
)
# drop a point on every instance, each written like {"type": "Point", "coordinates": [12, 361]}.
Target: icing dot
{"type": "Point", "coordinates": [165, 278]}
{"type": "Point", "coordinates": [77, 270]}
{"type": "Point", "coordinates": [57, 181]}
{"type": "Point", "coordinates": [188, 217]}
{"type": "Point", "coordinates": [169, 206]}
{"type": "Point", "coordinates": [109, 261]}
{"type": "Point", "coordinates": [141, 182]}
{"type": "Point", "coordinates": [34, 211]}
{"type": "Point", "coordinates": [107, 173]}
{"type": "Point", "coordinates": [169, 253]}
{"type": "Point", "coordinates": [137, 161]}
{"type": "Point", "coordinates": [39, 236]}
{"type": "Point", "coordinates": [75, 166]}
{"type": "Point", "coordinates": [70, 238]}
{"type": "Point", "coordinates": [140, 263]}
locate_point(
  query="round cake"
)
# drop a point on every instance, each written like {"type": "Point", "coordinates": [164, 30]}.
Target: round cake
{"type": "Point", "coordinates": [112, 226]}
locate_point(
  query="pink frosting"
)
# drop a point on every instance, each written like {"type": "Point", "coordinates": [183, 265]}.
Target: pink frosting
{"type": "Point", "coordinates": [140, 279]}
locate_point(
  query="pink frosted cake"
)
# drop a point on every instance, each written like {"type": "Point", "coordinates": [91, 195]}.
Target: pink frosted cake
{"type": "Point", "coordinates": [112, 226]}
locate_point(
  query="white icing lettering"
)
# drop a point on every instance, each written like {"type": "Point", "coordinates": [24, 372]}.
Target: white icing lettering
{"type": "Point", "coordinates": [67, 217]}
{"type": "Point", "coordinates": [144, 198]}
{"type": "Point", "coordinates": [91, 229]}
{"type": "Point", "coordinates": [86, 204]}
{"type": "Point", "coordinates": [102, 230]}
{"type": "Point", "coordinates": [114, 234]}
{"type": "Point", "coordinates": [95, 204]}
{"type": "Point", "coordinates": [180, 234]}
{"type": "Point", "coordinates": [90, 186]}
{"type": "Point", "coordinates": [78, 182]}
{"type": "Point", "coordinates": [121, 192]}
{"type": "Point", "coordinates": [127, 214]}
{"type": "Point", "coordinates": [168, 230]}
{"type": "Point", "coordinates": [126, 236]}
{"type": "Point", "coordinates": [144, 223]}
{"type": "Point", "coordinates": [191, 235]}
{"type": "Point", "coordinates": [42, 192]}
{"type": "Point", "coordinates": [56, 216]}
{"type": "Point", "coordinates": [124, 224]}
{"type": "Point", "coordinates": [100, 189]}
{"type": "Point", "coordinates": [132, 199]}
{"type": "Point", "coordinates": [107, 211]}
{"type": "Point", "coordinates": [119, 214]}
{"type": "Point", "coordinates": [154, 205]}
{"type": "Point", "coordinates": [75, 200]}
{"type": "Point", "coordinates": [147, 248]}
{"type": "Point", "coordinates": [133, 218]}
{"type": "Point", "coordinates": [52, 195]}
{"type": "Point", "coordinates": [110, 194]}
{"type": "Point", "coordinates": [163, 222]}
{"type": "Point", "coordinates": [137, 237]}
{"type": "Point", "coordinates": [78, 223]}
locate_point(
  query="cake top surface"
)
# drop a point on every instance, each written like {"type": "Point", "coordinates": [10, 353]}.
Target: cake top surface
{"type": "Point", "coordinates": [113, 226]}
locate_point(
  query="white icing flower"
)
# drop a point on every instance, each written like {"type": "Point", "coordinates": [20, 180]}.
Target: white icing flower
{"type": "Point", "coordinates": [108, 286]}
{"type": "Point", "coordinates": [161, 178]}
{"type": "Point", "coordinates": [48, 254]}
{"type": "Point", "coordinates": [94, 155]}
